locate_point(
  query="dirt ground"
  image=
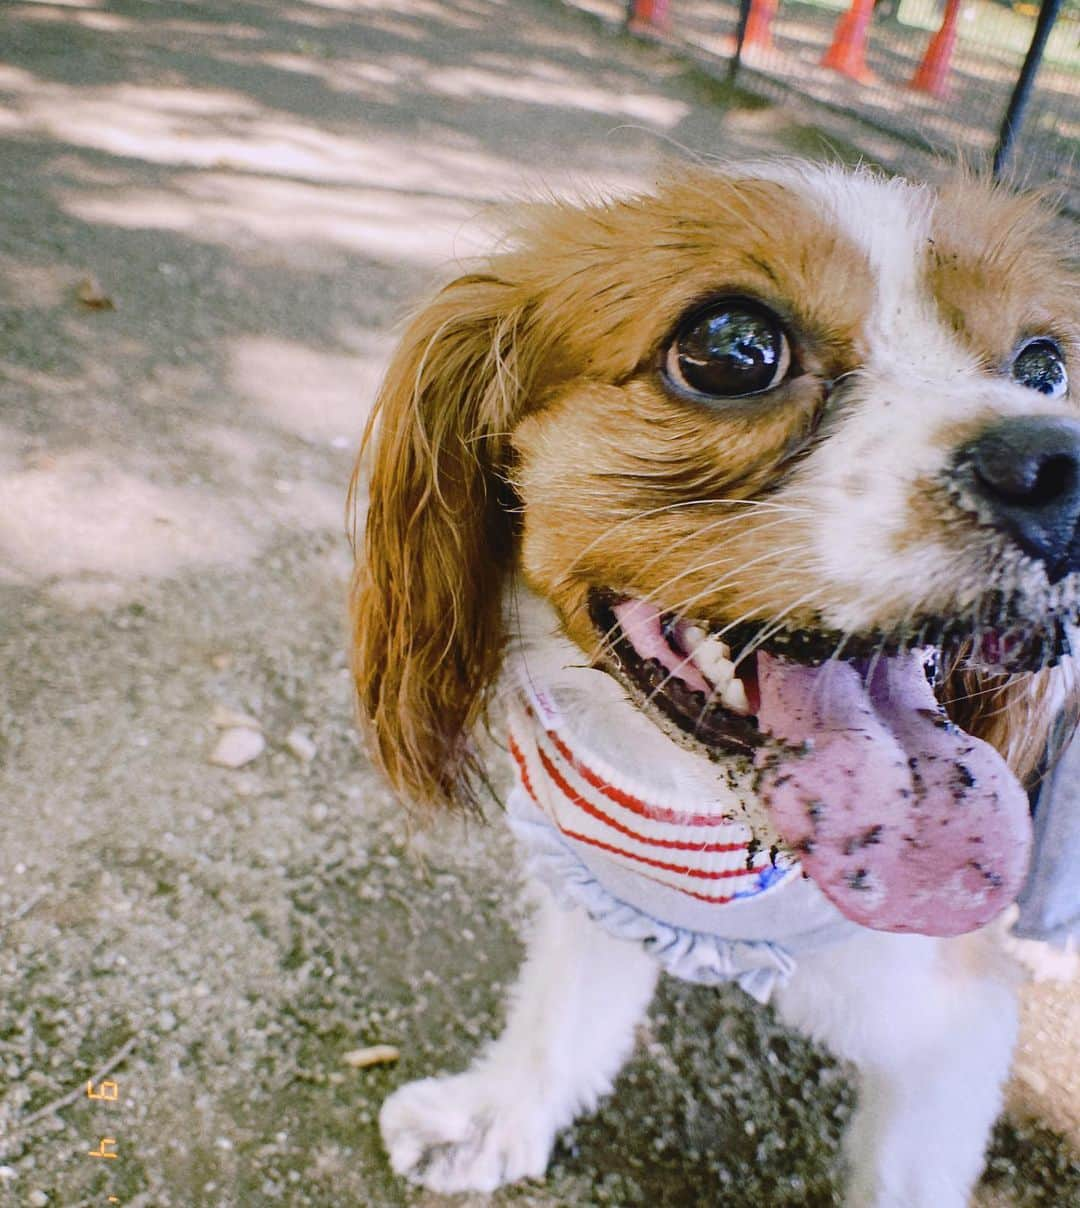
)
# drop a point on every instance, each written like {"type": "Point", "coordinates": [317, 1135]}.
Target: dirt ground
{"type": "Point", "coordinates": [211, 215]}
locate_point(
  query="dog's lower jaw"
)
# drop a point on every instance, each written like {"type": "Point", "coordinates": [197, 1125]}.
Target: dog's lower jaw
{"type": "Point", "coordinates": [930, 1024]}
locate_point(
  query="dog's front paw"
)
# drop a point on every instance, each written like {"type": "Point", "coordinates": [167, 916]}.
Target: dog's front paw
{"type": "Point", "coordinates": [471, 1132]}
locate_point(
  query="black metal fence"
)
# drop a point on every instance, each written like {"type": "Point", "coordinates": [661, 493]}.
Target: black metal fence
{"type": "Point", "coordinates": [940, 75]}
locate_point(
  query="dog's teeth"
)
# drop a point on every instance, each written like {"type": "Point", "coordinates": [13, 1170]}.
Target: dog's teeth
{"type": "Point", "coordinates": [711, 656]}
{"type": "Point", "coordinates": [734, 697]}
{"type": "Point", "coordinates": [692, 636]}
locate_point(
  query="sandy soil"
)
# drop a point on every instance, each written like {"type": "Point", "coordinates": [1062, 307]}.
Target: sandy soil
{"type": "Point", "coordinates": [210, 217]}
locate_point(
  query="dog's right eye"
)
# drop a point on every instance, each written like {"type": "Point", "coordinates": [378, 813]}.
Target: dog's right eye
{"type": "Point", "coordinates": [728, 350]}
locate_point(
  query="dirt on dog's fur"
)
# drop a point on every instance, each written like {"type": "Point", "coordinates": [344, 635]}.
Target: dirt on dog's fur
{"type": "Point", "coordinates": [258, 191]}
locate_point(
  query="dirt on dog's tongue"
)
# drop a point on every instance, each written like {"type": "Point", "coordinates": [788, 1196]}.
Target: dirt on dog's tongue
{"type": "Point", "coordinates": [904, 822]}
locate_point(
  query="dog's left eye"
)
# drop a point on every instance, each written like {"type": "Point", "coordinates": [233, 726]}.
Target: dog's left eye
{"type": "Point", "coordinates": [1040, 366]}
{"type": "Point", "coordinates": [730, 349]}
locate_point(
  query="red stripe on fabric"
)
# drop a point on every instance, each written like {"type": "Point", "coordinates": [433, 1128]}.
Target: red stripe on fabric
{"type": "Point", "coordinates": [701, 873]}
{"type": "Point", "coordinates": [683, 870]}
{"type": "Point", "coordinates": [578, 838]}
{"type": "Point", "coordinates": [655, 813]}
{"type": "Point", "coordinates": [519, 759]}
{"type": "Point", "coordinates": [575, 798]}
{"type": "Point", "coordinates": [712, 899]}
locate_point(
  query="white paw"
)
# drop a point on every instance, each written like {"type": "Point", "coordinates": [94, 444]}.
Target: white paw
{"type": "Point", "coordinates": [470, 1132]}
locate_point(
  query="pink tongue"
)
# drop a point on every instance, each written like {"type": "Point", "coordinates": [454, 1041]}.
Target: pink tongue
{"type": "Point", "coordinates": [904, 822]}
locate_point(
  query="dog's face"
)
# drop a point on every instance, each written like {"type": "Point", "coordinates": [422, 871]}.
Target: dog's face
{"type": "Point", "coordinates": [771, 445]}
{"type": "Point", "coordinates": [781, 407]}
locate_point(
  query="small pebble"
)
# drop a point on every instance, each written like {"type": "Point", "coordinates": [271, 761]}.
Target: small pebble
{"type": "Point", "coordinates": [377, 1054]}
{"type": "Point", "coordinates": [301, 745]}
{"type": "Point", "coordinates": [237, 747]}
{"type": "Point", "coordinates": [90, 294]}
{"type": "Point", "coordinates": [37, 1199]}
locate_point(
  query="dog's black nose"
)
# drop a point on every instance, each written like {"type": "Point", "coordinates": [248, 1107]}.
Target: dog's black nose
{"type": "Point", "coordinates": [1028, 472]}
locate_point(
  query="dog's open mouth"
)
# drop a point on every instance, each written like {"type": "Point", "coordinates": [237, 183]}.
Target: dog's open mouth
{"type": "Point", "coordinates": [905, 822]}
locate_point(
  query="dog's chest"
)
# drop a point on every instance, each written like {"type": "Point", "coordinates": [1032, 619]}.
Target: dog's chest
{"type": "Point", "coordinates": [696, 848]}
{"type": "Point", "coordinates": [681, 874]}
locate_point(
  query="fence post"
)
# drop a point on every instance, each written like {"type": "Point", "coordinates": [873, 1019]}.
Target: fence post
{"type": "Point", "coordinates": [1018, 103]}
{"type": "Point", "coordinates": [740, 39]}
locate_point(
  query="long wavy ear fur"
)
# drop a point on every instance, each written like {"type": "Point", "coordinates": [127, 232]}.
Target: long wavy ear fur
{"type": "Point", "coordinates": [427, 593]}
{"type": "Point", "coordinates": [1014, 714]}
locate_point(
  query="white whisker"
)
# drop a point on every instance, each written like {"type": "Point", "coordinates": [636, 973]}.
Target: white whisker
{"type": "Point", "coordinates": [648, 513]}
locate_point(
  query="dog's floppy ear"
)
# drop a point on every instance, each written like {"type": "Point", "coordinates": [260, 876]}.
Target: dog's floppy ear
{"type": "Point", "coordinates": [1015, 714]}
{"type": "Point", "coordinates": [427, 592]}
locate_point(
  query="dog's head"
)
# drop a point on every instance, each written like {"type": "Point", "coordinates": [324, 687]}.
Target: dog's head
{"type": "Point", "coordinates": [782, 449]}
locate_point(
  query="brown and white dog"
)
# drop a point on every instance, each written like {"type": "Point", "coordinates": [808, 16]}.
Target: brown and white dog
{"type": "Point", "coordinates": [759, 499]}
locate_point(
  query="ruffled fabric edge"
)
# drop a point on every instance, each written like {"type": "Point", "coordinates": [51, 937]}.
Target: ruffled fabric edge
{"type": "Point", "coordinates": [757, 966]}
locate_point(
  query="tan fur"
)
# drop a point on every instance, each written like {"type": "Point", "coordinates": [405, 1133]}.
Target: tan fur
{"type": "Point", "coordinates": [426, 595]}
{"type": "Point", "coordinates": [996, 268]}
{"type": "Point", "coordinates": [522, 427]}
{"type": "Point", "coordinates": [1012, 713]}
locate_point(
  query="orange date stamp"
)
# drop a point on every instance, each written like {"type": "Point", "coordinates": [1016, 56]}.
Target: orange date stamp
{"type": "Point", "coordinates": [107, 1091]}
